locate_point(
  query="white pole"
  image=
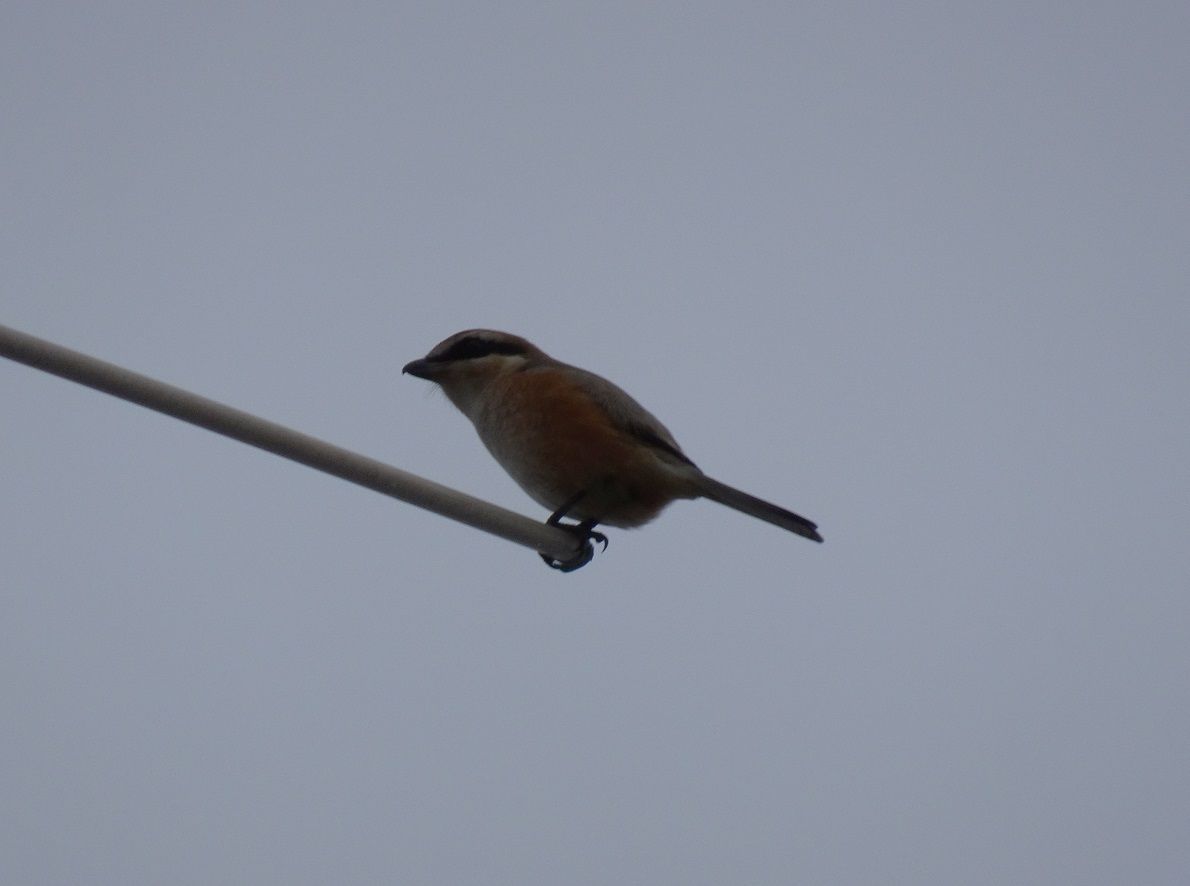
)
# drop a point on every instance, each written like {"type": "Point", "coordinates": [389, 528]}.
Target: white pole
{"type": "Point", "coordinates": [287, 443]}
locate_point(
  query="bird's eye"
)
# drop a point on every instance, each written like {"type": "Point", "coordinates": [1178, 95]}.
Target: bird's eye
{"type": "Point", "coordinates": [472, 348]}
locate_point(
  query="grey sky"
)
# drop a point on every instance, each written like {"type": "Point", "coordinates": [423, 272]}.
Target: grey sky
{"type": "Point", "coordinates": [917, 271]}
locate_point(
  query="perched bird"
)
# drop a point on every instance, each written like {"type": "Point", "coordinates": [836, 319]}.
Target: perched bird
{"type": "Point", "coordinates": [575, 442]}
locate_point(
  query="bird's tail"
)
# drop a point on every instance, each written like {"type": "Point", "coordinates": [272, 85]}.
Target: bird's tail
{"type": "Point", "coordinates": [750, 504]}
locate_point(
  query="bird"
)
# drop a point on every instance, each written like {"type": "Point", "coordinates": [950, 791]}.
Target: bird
{"type": "Point", "coordinates": [574, 442]}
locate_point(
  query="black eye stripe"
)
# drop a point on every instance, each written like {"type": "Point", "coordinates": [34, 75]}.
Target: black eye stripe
{"type": "Point", "coordinates": [472, 348]}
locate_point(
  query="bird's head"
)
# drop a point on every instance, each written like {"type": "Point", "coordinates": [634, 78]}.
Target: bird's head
{"type": "Point", "coordinates": [464, 364]}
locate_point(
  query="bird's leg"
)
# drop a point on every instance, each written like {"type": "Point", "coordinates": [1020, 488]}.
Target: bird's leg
{"type": "Point", "coordinates": [584, 530]}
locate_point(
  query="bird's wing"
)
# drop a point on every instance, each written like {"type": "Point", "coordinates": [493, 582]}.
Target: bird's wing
{"type": "Point", "coordinates": [628, 415]}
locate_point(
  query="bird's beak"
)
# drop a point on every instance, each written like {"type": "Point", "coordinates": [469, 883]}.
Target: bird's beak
{"type": "Point", "coordinates": [420, 368]}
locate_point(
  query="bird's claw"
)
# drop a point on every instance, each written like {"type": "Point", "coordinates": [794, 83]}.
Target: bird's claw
{"type": "Point", "coordinates": [585, 554]}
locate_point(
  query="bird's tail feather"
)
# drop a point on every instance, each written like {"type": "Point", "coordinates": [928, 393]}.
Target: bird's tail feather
{"type": "Point", "coordinates": [756, 507]}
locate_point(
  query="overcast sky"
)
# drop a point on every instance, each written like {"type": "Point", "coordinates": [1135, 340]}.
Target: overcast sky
{"type": "Point", "coordinates": [918, 271]}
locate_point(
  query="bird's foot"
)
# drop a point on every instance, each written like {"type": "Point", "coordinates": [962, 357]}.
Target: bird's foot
{"type": "Point", "coordinates": [586, 552]}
